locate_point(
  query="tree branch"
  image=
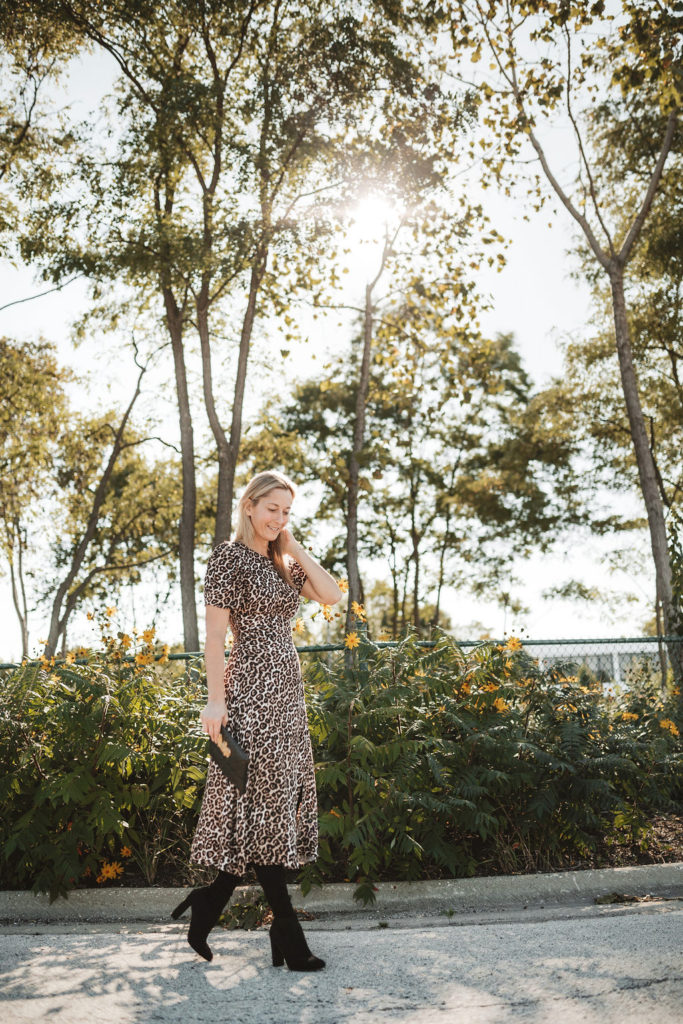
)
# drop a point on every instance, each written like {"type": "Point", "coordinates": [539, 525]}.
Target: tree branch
{"type": "Point", "coordinates": [579, 141]}
{"type": "Point", "coordinates": [30, 298]}
{"type": "Point", "coordinates": [637, 225]}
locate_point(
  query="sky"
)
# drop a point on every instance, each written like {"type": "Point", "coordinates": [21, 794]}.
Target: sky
{"type": "Point", "coordinates": [534, 297]}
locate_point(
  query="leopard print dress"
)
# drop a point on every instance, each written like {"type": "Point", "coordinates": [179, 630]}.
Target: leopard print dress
{"type": "Point", "coordinates": [276, 820]}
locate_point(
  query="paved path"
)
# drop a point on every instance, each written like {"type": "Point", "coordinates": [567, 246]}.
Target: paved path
{"type": "Point", "coordinates": [594, 965]}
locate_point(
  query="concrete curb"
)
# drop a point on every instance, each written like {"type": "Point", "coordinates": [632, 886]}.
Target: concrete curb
{"type": "Point", "coordinates": [458, 895]}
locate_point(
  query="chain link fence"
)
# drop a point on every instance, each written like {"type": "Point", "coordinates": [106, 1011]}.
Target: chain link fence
{"type": "Point", "coordinates": [610, 661]}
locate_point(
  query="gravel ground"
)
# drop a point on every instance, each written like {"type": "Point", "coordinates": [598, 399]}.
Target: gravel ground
{"type": "Point", "coordinates": [596, 965]}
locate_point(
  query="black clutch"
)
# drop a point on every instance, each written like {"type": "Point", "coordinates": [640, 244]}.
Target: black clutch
{"type": "Point", "coordinates": [232, 760]}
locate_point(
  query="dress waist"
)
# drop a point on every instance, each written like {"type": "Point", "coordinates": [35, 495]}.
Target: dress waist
{"type": "Point", "coordinates": [263, 631]}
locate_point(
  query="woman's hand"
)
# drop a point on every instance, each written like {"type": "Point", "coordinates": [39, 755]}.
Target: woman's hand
{"type": "Point", "coordinates": [288, 545]}
{"type": "Point", "coordinates": [212, 717]}
{"type": "Point", "coordinates": [319, 586]}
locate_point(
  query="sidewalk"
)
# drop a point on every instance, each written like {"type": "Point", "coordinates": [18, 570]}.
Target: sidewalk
{"type": "Point", "coordinates": [584, 964]}
{"type": "Point", "coordinates": [417, 899]}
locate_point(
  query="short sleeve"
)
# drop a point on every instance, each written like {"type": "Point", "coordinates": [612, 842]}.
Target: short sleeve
{"type": "Point", "coordinates": [221, 581]}
{"type": "Point", "coordinates": [298, 575]}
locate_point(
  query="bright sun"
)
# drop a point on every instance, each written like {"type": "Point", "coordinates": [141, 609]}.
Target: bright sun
{"type": "Point", "coordinates": [373, 216]}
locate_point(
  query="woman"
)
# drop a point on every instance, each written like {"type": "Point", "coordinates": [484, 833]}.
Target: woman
{"type": "Point", "coordinates": [253, 584]}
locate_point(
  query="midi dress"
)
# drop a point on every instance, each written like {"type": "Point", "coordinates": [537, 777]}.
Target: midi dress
{"type": "Point", "coordinates": [275, 821]}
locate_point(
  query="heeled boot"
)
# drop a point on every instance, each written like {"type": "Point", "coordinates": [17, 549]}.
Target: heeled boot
{"type": "Point", "coordinates": [288, 944]}
{"type": "Point", "coordinates": [207, 906]}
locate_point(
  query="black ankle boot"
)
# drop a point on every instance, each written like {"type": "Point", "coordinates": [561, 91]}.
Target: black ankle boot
{"type": "Point", "coordinates": [207, 906]}
{"type": "Point", "coordinates": [288, 943]}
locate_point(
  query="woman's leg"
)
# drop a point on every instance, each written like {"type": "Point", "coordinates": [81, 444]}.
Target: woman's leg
{"type": "Point", "coordinates": [207, 906]}
{"type": "Point", "coordinates": [272, 880]}
{"type": "Point", "coordinates": [287, 941]}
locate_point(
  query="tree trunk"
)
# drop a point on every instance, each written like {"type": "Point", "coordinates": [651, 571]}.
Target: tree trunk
{"type": "Point", "coordinates": [257, 271]}
{"type": "Point", "coordinates": [18, 587]}
{"type": "Point", "coordinates": [188, 515]}
{"type": "Point", "coordinates": [444, 548]}
{"type": "Point", "coordinates": [354, 462]}
{"type": "Point", "coordinates": [58, 617]}
{"type": "Point", "coordinates": [415, 543]}
{"type": "Point", "coordinates": [394, 588]}
{"type": "Point", "coordinates": [228, 450]}
{"type": "Point", "coordinates": [646, 466]}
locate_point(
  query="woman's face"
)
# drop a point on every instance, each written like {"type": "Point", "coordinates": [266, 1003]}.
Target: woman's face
{"type": "Point", "coordinates": [270, 513]}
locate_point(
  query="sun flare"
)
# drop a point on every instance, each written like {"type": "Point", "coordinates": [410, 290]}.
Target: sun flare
{"type": "Point", "coordinates": [371, 220]}
{"type": "Point", "coordinates": [372, 217]}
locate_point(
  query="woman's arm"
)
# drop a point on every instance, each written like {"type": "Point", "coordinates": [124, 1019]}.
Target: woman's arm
{"type": "Point", "coordinates": [215, 713]}
{"type": "Point", "coordinates": [319, 586]}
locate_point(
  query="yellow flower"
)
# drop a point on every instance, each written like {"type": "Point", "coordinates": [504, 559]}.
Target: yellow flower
{"type": "Point", "coordinates": [109, 870]}
{"type": "Point", "coordinates": [513, 644]}
{"type": "Point", "coordinates": [628, 716]}
{"type": "Point", "coordinates": [343, 585]}
{"type": "Point", "coordinates": [90, 616]}
{"type": "Point", "coordinates": [126, 851]}
{"type": "Point", "coordinates": [352, 640]}
{"type": "Point", "coordinates": [299, 626]}
{"type": "Point", "coordinates": [327, 612]}
{"type": "Point", "coordinates": [164, 654]}
{"type": "Point", "coordinates": [666, 723]}
{"type": "Point", "coordinates": [126, 641]}
{"type": "Point", "coordinates": [358, 610]}
{"type": "Point", "coordinates": [420, 672]}
{"type": "Point", "coordinates": [70, 658]}
{"type": "Point", "coordinates": [491, 687]}
{"type": "Point", "coordinates": [148, 635]}
{"type": "Point", "coordinates": [110, 611]}
{"type": "Point", "coordinates": [144, 658]}
{"type": "Point", "coordinates": [465, 687]}
{"type": "Point", "coordinates": [500, 705]}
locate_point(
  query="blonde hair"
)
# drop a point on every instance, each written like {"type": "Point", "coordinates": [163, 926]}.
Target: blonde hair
{"type": "Point", "coordinates": [258, 487]}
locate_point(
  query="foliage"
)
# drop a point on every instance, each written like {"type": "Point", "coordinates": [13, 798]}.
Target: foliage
{"type": "Point", "coordinates": [450, 763]}
{"type": "Point", "coordinates": [430, 763]}
{"type": "Point", "coordinates": [456, 461]}
{"type": "Point", "coordinates": [552, 63]}
{"type": "Point", "coordinates": [102, 760]}
{"type": "Point", "coordinates": [32, 413]}
{"type": "Point", "coordinates": [117, 507]}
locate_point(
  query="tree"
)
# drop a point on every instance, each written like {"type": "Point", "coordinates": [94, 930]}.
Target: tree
{"type": "Point", "coordinates": [235, 114]}
{"type": "Point", "coordinates": [552, 60]}
{"type": "Point", "coordinates": [589, 389]}
{"type": "Point", "coordinates": [456, 471]}
{"type": "Point", "coordinates": [119, 511]}
{"type": "Point", "coordinates": [33, 408]}
{"type": "Point", "coordinates": [32, 57]}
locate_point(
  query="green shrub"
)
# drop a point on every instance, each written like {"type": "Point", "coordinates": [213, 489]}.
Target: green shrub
{"type": "Point", "coordinates": [429, 763]}
{"type": "Point", "coordinates": [101, 762]}
{"type": "Point", "coordinates": [436, 762]}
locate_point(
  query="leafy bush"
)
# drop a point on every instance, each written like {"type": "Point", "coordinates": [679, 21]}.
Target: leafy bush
{"type": "Point", "coordinates": [437, 762]}
{"type": "Point", "coordinates": [430, 763]}
{"type": "Point", "coordinates": [102, 762]}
